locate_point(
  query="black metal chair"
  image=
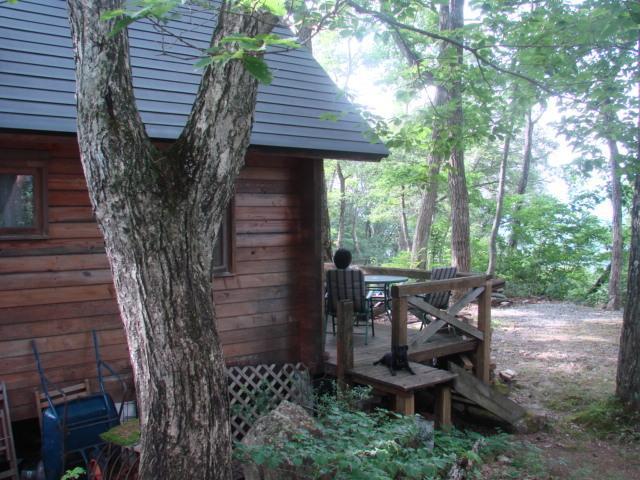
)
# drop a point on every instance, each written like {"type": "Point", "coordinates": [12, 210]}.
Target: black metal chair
{"type": "Point", "coordinates": [437, 299]}
{"type": "Point", "coordinates": [349, 285]}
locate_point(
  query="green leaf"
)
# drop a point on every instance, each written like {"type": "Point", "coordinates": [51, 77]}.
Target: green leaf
{"type": "Point", "coordinates": [257, 67]}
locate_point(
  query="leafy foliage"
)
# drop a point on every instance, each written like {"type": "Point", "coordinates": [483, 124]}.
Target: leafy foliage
{"type": "Point", "coordinates": [380, 445]}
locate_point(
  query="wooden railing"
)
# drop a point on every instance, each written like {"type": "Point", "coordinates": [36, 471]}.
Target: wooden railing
{"type": "Point", "coordinates": [468, 287]}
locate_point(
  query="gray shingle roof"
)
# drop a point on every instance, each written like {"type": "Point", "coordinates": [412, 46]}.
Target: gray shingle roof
{"type": "Point", "coordinates": [37, 83]}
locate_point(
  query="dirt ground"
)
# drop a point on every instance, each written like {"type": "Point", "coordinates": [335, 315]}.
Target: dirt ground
{"type": "Point", "coordinates": [565, 358]}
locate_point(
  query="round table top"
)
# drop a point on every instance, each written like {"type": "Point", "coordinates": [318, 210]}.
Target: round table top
{"type": "Point", "coordinates": [385, 279]}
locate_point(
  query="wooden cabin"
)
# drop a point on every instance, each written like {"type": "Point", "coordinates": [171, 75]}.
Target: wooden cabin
{"type": "Point", "coordinates": [55, 282]}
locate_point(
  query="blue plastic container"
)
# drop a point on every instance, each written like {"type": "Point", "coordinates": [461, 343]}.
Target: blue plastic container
{"type": "Point", "coordinates": [74, 427]}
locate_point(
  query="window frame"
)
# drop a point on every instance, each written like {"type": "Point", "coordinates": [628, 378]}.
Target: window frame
{"type": "Point", "coordinates": [227, 234]}
{"type": "Point", "coordinates": [33, 164]}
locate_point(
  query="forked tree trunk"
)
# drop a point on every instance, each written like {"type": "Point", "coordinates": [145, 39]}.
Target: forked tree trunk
{"type": "Point", "coordinates": [458, 194]}
{"type": "Point", "coordinates": [497, 218]}
{"type": "Point", "coordinates": [615, 195]}
{"type": "Point", "coordinates": [159, 212]}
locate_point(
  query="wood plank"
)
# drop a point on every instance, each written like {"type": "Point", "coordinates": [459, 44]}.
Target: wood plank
{"type": "Point", "coordinates": [71, 214]}
{"type": "Point", "coordinates": [20, 281]}
{"type": "Point", "coordinates": [267, 226]}
{"type": "Point", "coordinates": [267, 213]}
{"type": "Point", "coordinates": [420, 304]}
{"type": "Point", "coordinates": [46, 296]}
{"type": "Point", "coordinates": [421, 288]}
{"type": "Point", "coordinates": [404, 403]}
{"type": "Point", "coordinates": [268, 239]}
{"type": "Point", "coordinates": [398, 322]}
{"type": "Point", "coordinates": [266, 187]}
{"type": "Point", "coordinates": [48, 327]}
{"type": "Point", "coordinates": [344, 346]}
{"type": "Point", "coordinates": [268, 253]}
{"type": "Point", "coordinates": [443, 407]}
{"type": "Point", "coordinates": [267, 173]}
{"type": "Point", "coordinates": [255, 321]}
{"type": "Point", "coordinates": [76, 341]}
{"type": "Point", "coordinates": [229, 337]}
{"type": "Point", "coordinates": [469, 297]}
{"type": "Point", "coordinates": [251, 294]}
{"type": "Point", "coordinates": [67, 358]}
{"type": "Point", "coordinates": [470, 387]}
{"type": "Point", "coordinates": [259, 346]}
{"type": "Point", "coordinates": [267, 266]}
{"type": "Point", "coordinates": [68, 198]}
{"type": "Point", "coordinates": [268, 200]}
{"type": "Point", "coordinates": [58, 311]}
{"type": "Point", "coordinates": [66, 182]}
{"type": "Point", "coordinates": [424, 335]}
{"type": "Point", "coordinates": [31, 248]}
{"type": "Point", "coordinates": [51, 263]}
{"type": "Point", "coordinates": [252, 281]}
{"type": "Point", "coordinates": [256, 307]}
{"type": "Point", "coordinates": [74, 230]}
{"type": "Point", "coordinates": [483, 353]}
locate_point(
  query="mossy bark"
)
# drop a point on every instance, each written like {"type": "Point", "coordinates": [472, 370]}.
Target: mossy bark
{"type": "Point", "coordinates": [159, 212]}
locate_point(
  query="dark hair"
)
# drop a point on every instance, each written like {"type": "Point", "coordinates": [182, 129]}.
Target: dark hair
{"type": "Point", "coordinates": [342, 258]}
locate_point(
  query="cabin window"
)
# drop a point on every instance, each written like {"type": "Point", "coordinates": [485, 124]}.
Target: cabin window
{"type": "Point", "coordinates": [222, 254]}
{"type": "Point", "coordinates": [22, 200]}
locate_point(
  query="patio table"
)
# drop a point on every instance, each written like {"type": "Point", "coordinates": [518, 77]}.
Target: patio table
{"type": "Point", "coordinates": [383, 284]}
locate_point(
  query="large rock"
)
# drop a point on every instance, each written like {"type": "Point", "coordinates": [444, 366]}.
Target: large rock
{"type": "Point", "coordinates": [275, 429]}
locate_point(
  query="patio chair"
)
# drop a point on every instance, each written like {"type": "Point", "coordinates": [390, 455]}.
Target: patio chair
{"type": "Point", "coordinates": [437, 299]}
{"type": "Point", "coordinates": [8, 462]}
{"type": "Point", "coordinates": [349, 285]}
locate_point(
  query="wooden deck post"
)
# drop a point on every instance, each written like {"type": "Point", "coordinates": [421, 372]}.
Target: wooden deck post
{"type": "Point", "coordinates": [344, 346]}
{"type": "Point", "coordinates": [404, 403]}
{"type": "Point", "coordinates": [398, 318]}
{"type": "Point", "coordinates": [483, 352]}
{"type": "Point", "coordinates": [443, 406]}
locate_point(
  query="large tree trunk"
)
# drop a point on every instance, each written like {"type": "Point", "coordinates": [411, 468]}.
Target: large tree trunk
{"type": "Point", "coordinates": [497, 218]}
{"type": "Point", "coordinates": [628, 376]}
{"type": "Point", "coordinates": [615, 195]}
{"type": "Point", "coordinates": [424, 222]}
{"type": "Point", "coordinates": [327, 251]}
{"type": "Point", "coordinates": [343, 205]}
{"type": "Point", "coordinates": [524, 176]}
{"type": "Point", "coordinates": [458, 194]}
{"type": "Point", "coordinates": [159, 212]}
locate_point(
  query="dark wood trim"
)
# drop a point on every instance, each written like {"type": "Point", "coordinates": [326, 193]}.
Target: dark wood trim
{"type": "Point", "coordinates": [34, 163]}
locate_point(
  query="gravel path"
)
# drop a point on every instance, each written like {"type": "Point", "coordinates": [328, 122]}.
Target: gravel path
{"type": "Point", "coordinates": [565, 358]}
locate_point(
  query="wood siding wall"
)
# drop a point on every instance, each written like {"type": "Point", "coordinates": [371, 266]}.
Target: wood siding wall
{"type": "Point", "coordinates": [57, 290]}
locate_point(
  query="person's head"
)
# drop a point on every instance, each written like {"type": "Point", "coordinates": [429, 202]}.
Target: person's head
{"type": "Point", "coordinates": [342, 258]}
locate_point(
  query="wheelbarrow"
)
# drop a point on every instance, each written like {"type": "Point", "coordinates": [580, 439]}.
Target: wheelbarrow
{"type": "Point", "coordinates": [73, 426]}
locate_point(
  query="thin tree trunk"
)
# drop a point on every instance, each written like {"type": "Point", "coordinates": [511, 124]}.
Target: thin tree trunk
{"type": "Point", "coordinates": [354, 233]}
{"type": "Point", "coordinates": [615, 195]}
{"type": "Point", "coordinates": [327, 253]}
{"type": "Point", "coordinates": [426, 214]}
{"type": "Point", "coordinates": [159, 212]}
{"type": "Point", "coordinates": [628, 375]}
{"type": "Point", "coordinates": [497, 218]}
{"type": "Point", "coordinates": [343, 205]}
{"type": "Point", "coordinates": [458, 194]}
{"type": "Point", "coordinates": [600, 281]}
{"type": "Point", "coordinates": [404, 231]}
{"type": "Point", "coordinates": [524, 176]}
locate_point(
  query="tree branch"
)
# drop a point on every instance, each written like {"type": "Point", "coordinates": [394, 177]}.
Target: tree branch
{"type": "Point", "coordinates": [388, 20]}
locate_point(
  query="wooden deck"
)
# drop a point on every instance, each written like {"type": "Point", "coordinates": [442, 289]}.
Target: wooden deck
{"type": "Point", "coordinates": [440, 345]}
{"type": "Point", "coordinates": [402, 385]}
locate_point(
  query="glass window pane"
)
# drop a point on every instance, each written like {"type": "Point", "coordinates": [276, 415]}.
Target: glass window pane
{"type": "Point", "coordinates": [17, 201]}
